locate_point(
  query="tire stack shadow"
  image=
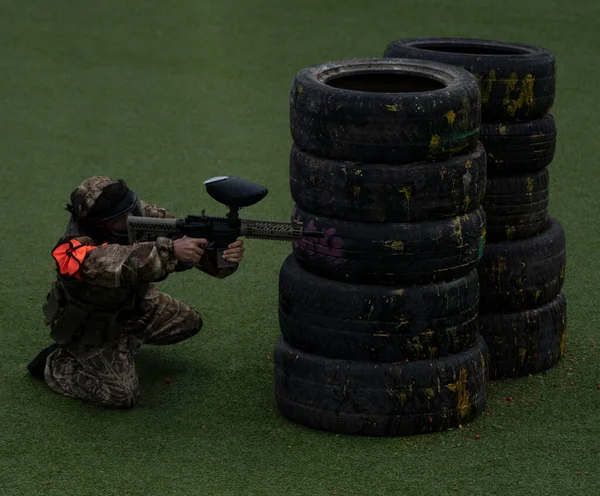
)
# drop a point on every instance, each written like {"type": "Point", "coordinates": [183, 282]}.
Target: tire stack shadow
{"type": "Point", "coordinates": [523, 309]}
{"type": "Point", "coordinates": [379, 318]}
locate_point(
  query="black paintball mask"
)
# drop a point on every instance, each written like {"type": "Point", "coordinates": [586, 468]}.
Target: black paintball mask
{"type": "Point", "coordinates": [115, 200]}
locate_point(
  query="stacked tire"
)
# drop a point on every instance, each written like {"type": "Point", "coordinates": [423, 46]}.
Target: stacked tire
{"type": "Point", "coordinates": [523, 309]}
{"type": "Point", "coordinates": [379, 317]}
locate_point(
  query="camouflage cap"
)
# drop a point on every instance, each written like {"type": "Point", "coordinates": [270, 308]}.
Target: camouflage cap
{"type": "Point", "coordinates": [84, 197]}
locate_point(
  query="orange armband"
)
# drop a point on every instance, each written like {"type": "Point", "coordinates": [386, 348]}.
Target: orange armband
{"type": "Point", "coordinates": [70, 255]}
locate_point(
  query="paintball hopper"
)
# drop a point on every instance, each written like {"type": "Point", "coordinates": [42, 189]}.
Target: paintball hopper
{"type": "Point", "coordinates": [234, 191]}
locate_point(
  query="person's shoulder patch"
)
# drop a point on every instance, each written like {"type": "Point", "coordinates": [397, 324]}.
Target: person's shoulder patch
{"type": "Point", "coordinates": [70, 255]}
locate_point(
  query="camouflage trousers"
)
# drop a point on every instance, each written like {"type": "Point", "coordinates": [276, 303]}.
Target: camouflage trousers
{"type": "Point", "coordinates": [106, 376]}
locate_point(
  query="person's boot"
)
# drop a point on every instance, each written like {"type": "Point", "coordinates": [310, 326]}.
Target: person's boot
{"type": "Point", "coordinates": [37, 366]}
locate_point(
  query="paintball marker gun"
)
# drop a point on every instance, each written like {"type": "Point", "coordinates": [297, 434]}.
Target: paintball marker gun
{"type": "Point", "coordinates": [220, 232]}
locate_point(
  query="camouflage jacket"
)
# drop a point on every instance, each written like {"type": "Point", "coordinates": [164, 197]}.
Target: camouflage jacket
{"type": "Point", "coordinates": [112, 267]}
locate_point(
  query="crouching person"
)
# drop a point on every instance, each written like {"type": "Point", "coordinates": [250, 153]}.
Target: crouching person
{"type": "Point", "coordinates": [103, 305]}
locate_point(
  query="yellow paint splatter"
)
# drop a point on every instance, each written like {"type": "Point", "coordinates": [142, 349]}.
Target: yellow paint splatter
{"type": "Point", "coordinates": [563, 343]}
{"type": "Point", "coordinates": [358, 172]}
{"type": "Point", "coordinates": [487, 89]}
{"type": "Point", "coordinates": [562, 273]}
{"type": "Point", "coordinates": [512, 81]}
{"type": "Point", "coordinates": [450, 116]}
{"type": "Point", "coordinates": [510, 232]}
{"type": "Point", "coordinates": [458, 234]}
{"type": "Point", "coordinates": [522, 354]}
{"type": "Point", "coordinates": [483, 371]}
{"type": "Point", "coordinates": [443, 171]}
{"type": "Point", "coordinates": [467, 202]}
{"type": "Point", "coordinates": [407, 193]}
{"type": "Point", "coordinates": [415, 345]}
{"type": "Point", "coordinates": [356, 190]}
{"type": "Point", "coordinates": [392, 108]}
{"type": "Point", "coordinates": [397, 245]}
{"type": "Point", "coordinates": [530, 184]}
{"type": "Point", "coordinates": [502, 129]}
{"type": "Point", "coordinates": [398, 292]}
{"type": "Point", "coordinates": [463, 395]}
{"type": "Point", "coordinates": [525, 93]}
{"type": "Point", "coordinates": [403, 320]}
{"type": "Point", "coordinates": [434, 142]}
{"type": "Point", "coordinates": [430, 394]}
{"type": "Point", "coordinates": [468, 164]}
{"type": "Point", "coordinates": [538, 293]}
{"type": "Point", "coordinates": [300, 88]}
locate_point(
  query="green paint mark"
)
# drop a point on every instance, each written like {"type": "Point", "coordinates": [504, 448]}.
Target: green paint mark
{"type": "Point", "coordinates": [481, 244]}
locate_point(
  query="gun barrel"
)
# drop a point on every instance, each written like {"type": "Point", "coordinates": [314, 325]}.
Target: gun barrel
{"type": "Point", "coordinates": [274, 230]}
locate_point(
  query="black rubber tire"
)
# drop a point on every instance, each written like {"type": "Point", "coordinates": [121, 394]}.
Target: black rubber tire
{"type": "Point", "coordinates": [516, 207]}
{"type": "Point", "coordinates": [519, 148]}
{"type": "Point", "coordinates": [376, 323]}
{"type": "Point", "coordinates": [385, 192]}
{"type": "Point", "coordinates": [371, 399]}
{"type": "Point", "coordinates": [517, 81]}
{"type": "Point", "coordinates": [526, 342]}
{"type": "Point", "coordinates": [516, 275]}
{"type": "Point", "coordinates": [385, 111]}
{"type": "Point", "coordinates": [392, 253]}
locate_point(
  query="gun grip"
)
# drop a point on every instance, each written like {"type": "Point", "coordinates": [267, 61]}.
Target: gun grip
{"type": "Point", "coordinates": [222, 263]}
{"type": "Point", "coordinates": [213, 257]}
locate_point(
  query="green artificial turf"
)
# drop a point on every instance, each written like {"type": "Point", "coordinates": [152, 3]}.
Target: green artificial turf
{"type": "Point", "coordinates": [168, 94]}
